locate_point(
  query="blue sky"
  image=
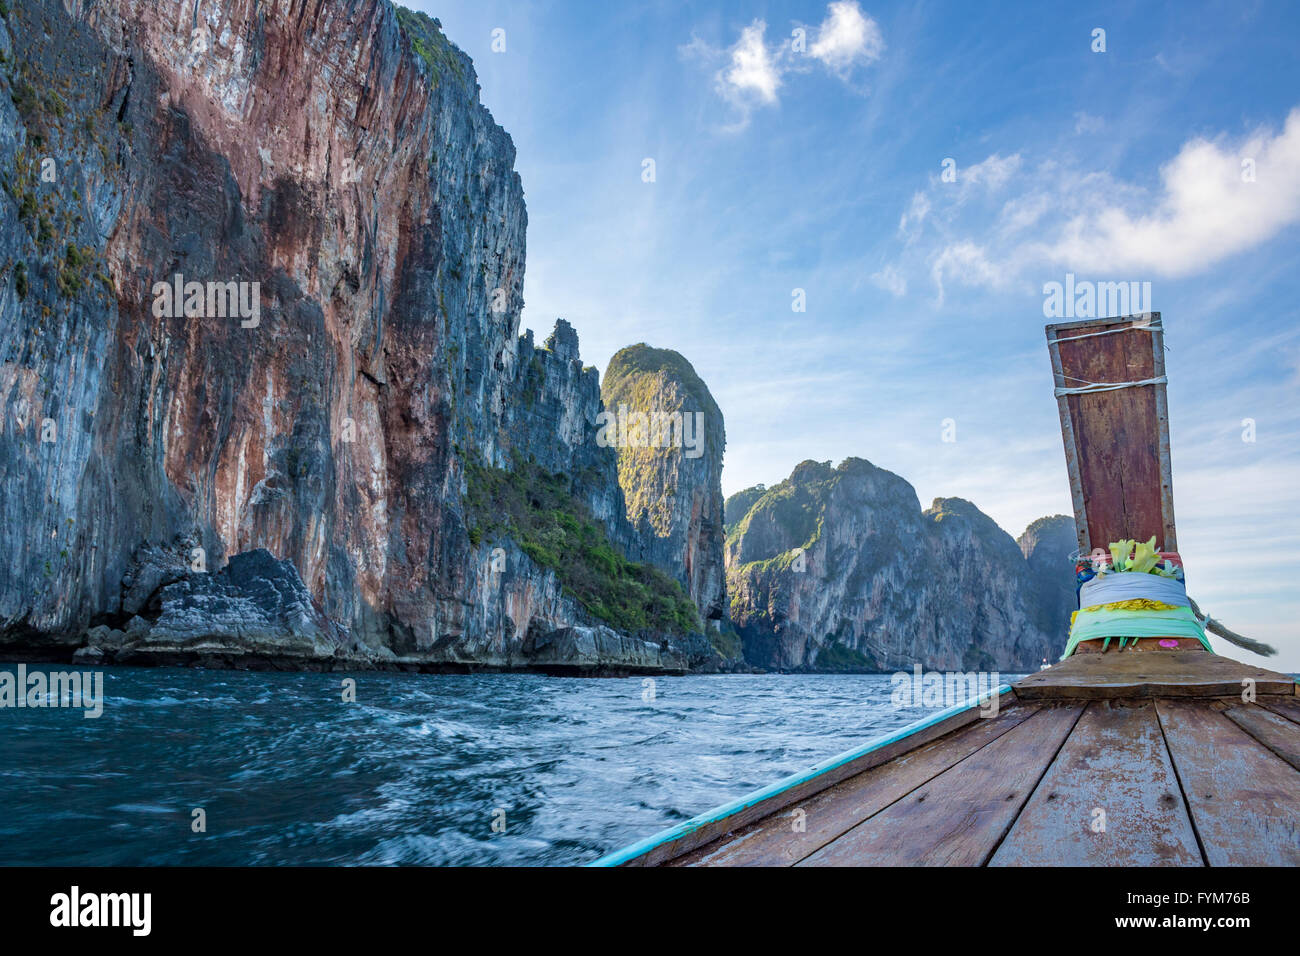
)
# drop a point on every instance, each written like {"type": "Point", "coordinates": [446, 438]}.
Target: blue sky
{"type": "Point", "coordinates": [821, 169]}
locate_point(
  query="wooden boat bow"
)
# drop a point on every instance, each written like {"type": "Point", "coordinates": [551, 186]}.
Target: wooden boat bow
{"type": "Point", "coordinates": [1159, 753]}
{"type": "Point", "coordinates": [1133, 758]}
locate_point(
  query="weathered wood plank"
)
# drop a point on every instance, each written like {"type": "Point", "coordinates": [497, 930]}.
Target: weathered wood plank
{"type": "Point", "coordinates": [1110, 798]}
{"type": "Point", "coordinates": [723, 821]}
{"type": "Point", "coordinates": [1119, 438]}
{"type": "Point", "coordinates": [1148, 673]}
{"type": "Point", "coordinates": [1272, 730]}
{"type": "Point", "coordinates": [774, 841]}
{"type": "Point", "coordinates": [1288, 707]}
{"type": "Point", "coordinates": [1244, 800]}
{"type": "Point", "coordinates": [957, 818]}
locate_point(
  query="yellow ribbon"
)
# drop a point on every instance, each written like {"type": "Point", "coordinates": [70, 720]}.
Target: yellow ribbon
{"type": "Point", "coordinates": [1135, 604]}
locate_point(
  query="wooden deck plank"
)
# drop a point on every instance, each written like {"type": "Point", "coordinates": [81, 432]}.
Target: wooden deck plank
{"type": "Point", "coordinates": [957, 818]}
{"type": "Point", "coordinates": [1288, 707]}
{"type": "Point", "coordinates": [1244, 800]}
{"type": "Point", "coordinates": [1272, 730]}
{"type": "Point", "coordinates": [1141, 673]}
{"type": "Point", "coordinates": [773, 841]}
{"type": "Point", "coordinates": [1115, 762]}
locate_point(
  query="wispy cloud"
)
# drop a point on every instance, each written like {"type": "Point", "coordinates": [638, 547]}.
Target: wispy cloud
{"type": "Point", "coordinates": [992, 173]}
{"type": "Point", "coordinates": [1087, 123]}
{"type": "Point", "coordinates": [939, 205]}
{"type": "Point", "coordinates": [1217, 198]}
{"type": "Point", "coordinates": [891, 280]}
{"type": "Point", "coordinates": [982, 178]}
{"type": "Point", "coordinates": [749, 74]}
{"type": "Point", "coordinates": [914, 215]}
{"type": "Point", "coordinates": [969, 264]}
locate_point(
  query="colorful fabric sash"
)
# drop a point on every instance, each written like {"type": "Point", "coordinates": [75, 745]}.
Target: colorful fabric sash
{"type": "Point", "coordinates": [1127, 604]}
{"type": "Point", "coordinates": [1178, 622]}
{"type": "Point", "coordinates": [1129, 585]}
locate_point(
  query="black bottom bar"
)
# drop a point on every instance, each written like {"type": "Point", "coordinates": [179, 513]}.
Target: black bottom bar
{"type": "Point", "coordinates": [935, 909]}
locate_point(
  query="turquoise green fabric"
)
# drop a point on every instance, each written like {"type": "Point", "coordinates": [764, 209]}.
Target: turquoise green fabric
{"type": "Point", "coordinates": [1179, 622]}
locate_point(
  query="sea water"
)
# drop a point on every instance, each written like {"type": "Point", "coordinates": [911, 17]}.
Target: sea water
{"type": "Point", "coordinates": [206, 767]}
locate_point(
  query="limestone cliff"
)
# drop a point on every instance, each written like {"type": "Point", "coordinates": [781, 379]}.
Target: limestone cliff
{"type": "Point", "coordinates": [839, 568]}
{"type": "Point", "coordinates": [260, 288]}
{"type": "Point", "coordinates": [1049, 545]}
{"type": "Point", "coordinates": [670, 438]}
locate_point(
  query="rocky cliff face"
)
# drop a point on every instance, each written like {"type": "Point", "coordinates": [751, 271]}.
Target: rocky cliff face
{"type": "Point", "coordinates": [839, 568]}
{"type": "Point", "coordinates": [670, 437]}
{"type": "Point", "coordinates": [260, 283]}
{"type": "Point", "coordinates": [1049, 545]}
{"type": "Point", "coordinates": [264, 400]}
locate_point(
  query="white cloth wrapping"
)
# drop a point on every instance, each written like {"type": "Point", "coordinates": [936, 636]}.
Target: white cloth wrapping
{"type": "Point", "coordinates": [1130, 585]}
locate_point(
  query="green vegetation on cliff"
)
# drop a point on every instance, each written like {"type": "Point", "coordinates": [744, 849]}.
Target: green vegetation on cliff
{"type": "Point", "coordinates": [738, 505]}
{"type": "Point", "coordinates": [539, 511]}
{"type": "Point", "coordinates": [726, 642]}
{"type": "Point", "coordinates": [626, 377]}
{"type": "Point", "coordinates": [429, 43]}
{"type": "Point", "coordinates": [839, 657]}
{"type": "Point", "coordinates": [795, 506]}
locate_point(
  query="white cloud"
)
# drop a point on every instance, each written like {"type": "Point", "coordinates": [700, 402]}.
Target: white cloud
{"type": "Point", "coordinates": [750, 73]}
{"type": "Point", "coordinates": [847, 36]}
{"type": "Point", "coordinates": [1205, 213]}
{"type": "Point", "coordinates": [753, 71]}
{"type": "Point", "coordinates": [992, 172]}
